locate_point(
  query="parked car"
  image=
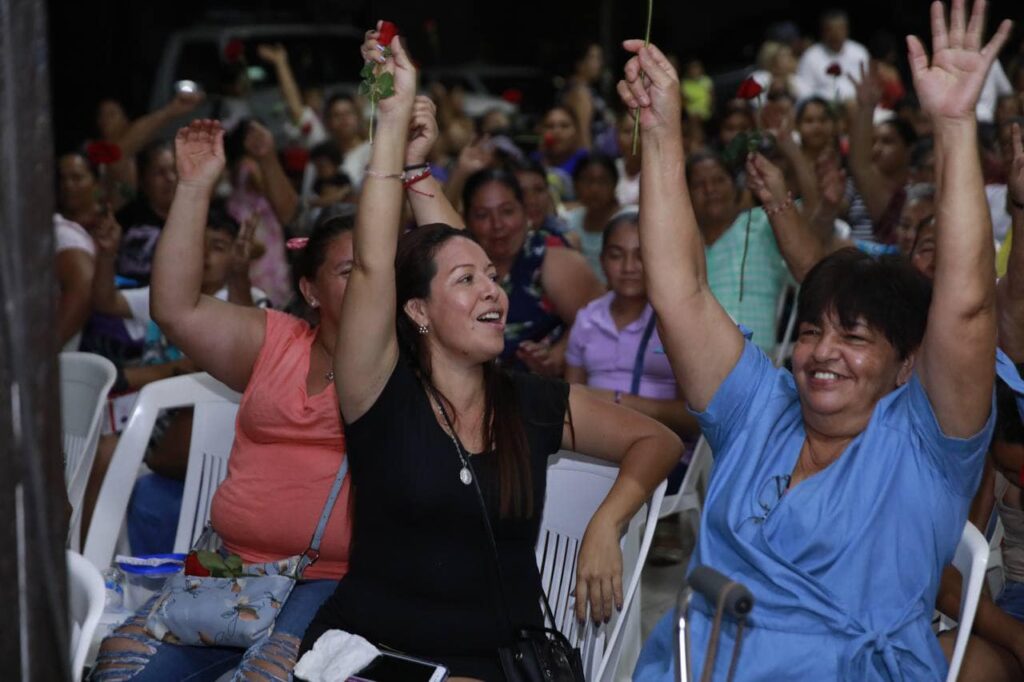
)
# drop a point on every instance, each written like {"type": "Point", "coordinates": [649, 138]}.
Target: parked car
{"type": "Point", "coordinates": [324, 55]}
{"type": "Point", "coordinates": [490, 86]}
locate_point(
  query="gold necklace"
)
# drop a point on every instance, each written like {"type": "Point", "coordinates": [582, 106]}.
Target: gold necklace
{"type": "Point", "coordinates": [329, 374]}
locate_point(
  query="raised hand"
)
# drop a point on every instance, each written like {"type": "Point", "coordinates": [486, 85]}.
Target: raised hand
{"type": "Point", "coordinates": [1015, 181]}
{"type": "Point", "coordinates": [259, 142]}
{"type": "Point", "coordinates": [395, 61]}
{"type": "Point", "coordinates": [242, 248]}
{"type": "Point", "coordinates": [107, 235]}
{"type": "Point", "coordinates": [185, 102]}
{"type": "Point", "coordinates": [274, 54]}
{"type": "Point", "coordinates": [766, 181]}
{"type": "Point", "coordinates": [199, 153]}
{"type": "Point", "coordinates": [422, 131]}
{"type": "Point", "coordinates": [868, 89]}
{"type": "Point", "coordinates": [831, 180]}
{"type": "Point", "coordinates": [651, 85]}
{"type": "Point", "coordinates": [950, 86]}
{"type": "Point", "coordinates": [476, 156]}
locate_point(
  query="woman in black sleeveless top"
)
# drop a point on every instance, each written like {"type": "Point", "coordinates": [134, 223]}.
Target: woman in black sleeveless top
{"type": "Point", "coordinates": [430, 320]}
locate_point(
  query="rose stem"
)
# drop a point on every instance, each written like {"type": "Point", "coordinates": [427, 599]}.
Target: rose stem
{"type": "Point", "coordinates": [647, 41]}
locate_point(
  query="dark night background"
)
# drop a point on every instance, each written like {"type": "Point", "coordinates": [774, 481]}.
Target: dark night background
{"type": "Point", "coordinates": [111, 48]}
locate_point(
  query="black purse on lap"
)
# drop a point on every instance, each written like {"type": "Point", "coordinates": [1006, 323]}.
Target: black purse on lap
{"type": "Point", "coordinates": [536, 654]}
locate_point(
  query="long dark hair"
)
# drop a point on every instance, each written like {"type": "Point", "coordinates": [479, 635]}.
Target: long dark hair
{"type": "Point", "coordinates": [415, 267]}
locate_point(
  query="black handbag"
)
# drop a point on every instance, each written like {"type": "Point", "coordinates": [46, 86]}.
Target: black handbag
{"type": "Point", "coordinates": [535, 654]}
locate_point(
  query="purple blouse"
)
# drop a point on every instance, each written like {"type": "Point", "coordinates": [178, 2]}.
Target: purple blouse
{"type": "Point", "coordinates": [608, 354]}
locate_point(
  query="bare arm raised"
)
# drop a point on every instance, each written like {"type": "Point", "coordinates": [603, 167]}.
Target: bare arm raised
{"type": "Point", "coordinates": [702, 343]}
{"type": "Point", "coordinates": [367, 347]}
{"type": "Point", "coordinates": [956, 359]}
{"type": "Point", "coordinates": [222, 338]}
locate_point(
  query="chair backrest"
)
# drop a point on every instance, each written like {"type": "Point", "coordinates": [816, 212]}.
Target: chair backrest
{"type": "Point", "coordinates": [86, 598]}
{"type": "Point", "coordinates": [194, 390]}
{"type": "Point", "coordinates": [85, 381]}
{"type": "Point", "coordinates": [970, 559]}
{"type": "Point", "coordinates": [213, 433]}
{"type": "Point", "coordinates": [785, 346]}
{"type": "Point", "coordinates": [694, 488]}
{"type": "Point", "coordinates": [576, 487]}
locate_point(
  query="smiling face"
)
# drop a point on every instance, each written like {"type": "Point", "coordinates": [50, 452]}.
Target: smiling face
{"type": "Point", "coordinates": [841, 374]}
{"type": "Point", "coordinates": [621, 262]}
{"type": "Point", "coordinates": [497, 220]}
{"type": "Point", "coordinates": [465, 312]}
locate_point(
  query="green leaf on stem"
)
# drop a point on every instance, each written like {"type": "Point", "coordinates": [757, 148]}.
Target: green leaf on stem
{"type": "Point", "coordinates": [385, 85]}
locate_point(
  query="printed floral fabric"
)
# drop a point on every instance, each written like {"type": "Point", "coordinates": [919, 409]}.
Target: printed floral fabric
{"type": "Point", "coordinates": [531, 316]}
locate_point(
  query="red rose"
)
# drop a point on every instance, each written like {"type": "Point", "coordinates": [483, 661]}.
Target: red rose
{"type": "Point", "coordinates": [749, 89]}
{"type": "Point", "coordinates": [512, 95]}
{"type": "Point", "coordinates": [834, 70]}
{"type": "Point", "coordinates": [101, 153]}
{"type": "Point", "coordinates": [193, 567]}
{"type": "Point", "coordinates": [295, 159]}
{"type": "Point", "coordinates": [233, 51]}
{"type": "Point", "coordinates": [388, 31]}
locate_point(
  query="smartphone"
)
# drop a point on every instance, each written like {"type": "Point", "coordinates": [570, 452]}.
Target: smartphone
{"type": "Point", "coordinates": [390, 667]}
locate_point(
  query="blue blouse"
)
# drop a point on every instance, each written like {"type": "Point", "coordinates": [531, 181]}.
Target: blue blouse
{"type": "Point", "coordinates": [844, 566]}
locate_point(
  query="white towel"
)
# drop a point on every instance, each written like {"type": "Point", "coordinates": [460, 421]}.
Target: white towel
{"type": "Point", "coordinates": [337, 655]}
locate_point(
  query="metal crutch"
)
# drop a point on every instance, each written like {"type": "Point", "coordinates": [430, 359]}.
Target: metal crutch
{"type": "Point", "coordinates": [731, 598]}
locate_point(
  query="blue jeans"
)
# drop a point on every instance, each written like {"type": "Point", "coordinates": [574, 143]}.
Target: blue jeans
{"type": "Point", "coordinates": [129, 653]}
{"type": "Point", "coordinates": [1011, 599]}
{"type": "Point", "coordinates": [153, 512]}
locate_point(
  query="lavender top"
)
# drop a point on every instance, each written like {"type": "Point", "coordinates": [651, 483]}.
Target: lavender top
{"type": "Point", "coordinates": [608, 354]}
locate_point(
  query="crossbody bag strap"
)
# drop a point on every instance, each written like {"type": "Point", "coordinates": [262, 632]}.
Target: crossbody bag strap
{"type": "Point", "coordinates": [638, 364]}
{"type": "Point", "coordinates": [312, 553]}
{"type": "Point", "coordinates": [506, 613]}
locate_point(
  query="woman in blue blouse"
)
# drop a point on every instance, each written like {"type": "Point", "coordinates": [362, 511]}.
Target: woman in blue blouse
{"type": "Point", "coordinates": [839, 491]}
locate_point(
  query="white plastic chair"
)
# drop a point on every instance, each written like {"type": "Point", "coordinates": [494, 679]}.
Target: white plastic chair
{"type": "Point", "coordinates": [213, 425]}
{"type": "Point", "coordinates": [576, 487]}
{"type": "Point", "coordinates": [785, 347]}
{"type": "Point", "coordinates": [85, 381]}
{"type": "Point", "coordinates": [694, 488]}
{"type": "Point", "coordinates": [86, 597]}
{"type": "Point", "coordinates": [970, 559]}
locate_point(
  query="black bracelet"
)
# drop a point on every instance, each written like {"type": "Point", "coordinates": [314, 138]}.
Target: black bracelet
{"type": "Point", "coordinates": [416, 166]}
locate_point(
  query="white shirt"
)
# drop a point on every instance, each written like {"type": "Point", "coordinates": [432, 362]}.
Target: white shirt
{"type": "Point", "coordinates": [71, 235]}
{"type": "Point", "coordinates": [628, 190]}
{"type": "Point", "coordinates": [1001, 220]}
{"type": "Point", "coordinates": [813, 69]}
{"type": "Point", "coordinates": [996, 85]}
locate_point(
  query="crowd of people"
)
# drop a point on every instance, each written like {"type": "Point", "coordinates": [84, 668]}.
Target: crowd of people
{"type": "Point", "coordinates": [446, 306]}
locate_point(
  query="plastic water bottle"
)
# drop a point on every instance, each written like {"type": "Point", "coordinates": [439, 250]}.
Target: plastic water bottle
{"type": "Point", "coordinates": [113, 581]}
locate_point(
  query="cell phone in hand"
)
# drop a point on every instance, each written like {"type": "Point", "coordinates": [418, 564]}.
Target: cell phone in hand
{"type": "Point", "coordinates": [390, 667]}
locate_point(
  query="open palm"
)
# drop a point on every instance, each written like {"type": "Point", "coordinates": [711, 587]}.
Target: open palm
{"type": "Point", "coordinates": [199, 152]}
{"type": "Point", "coordinates": [950, 86]}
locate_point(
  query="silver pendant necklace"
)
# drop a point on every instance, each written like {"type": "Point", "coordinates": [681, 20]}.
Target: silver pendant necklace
{"type": "Point", "coordinates": [465, 475]}
{"type": "Point", "coordinates": [329, 374]}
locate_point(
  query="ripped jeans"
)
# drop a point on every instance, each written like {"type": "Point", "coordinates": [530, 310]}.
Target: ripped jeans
{"type": "Point", "coordinates": [129, 653]}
